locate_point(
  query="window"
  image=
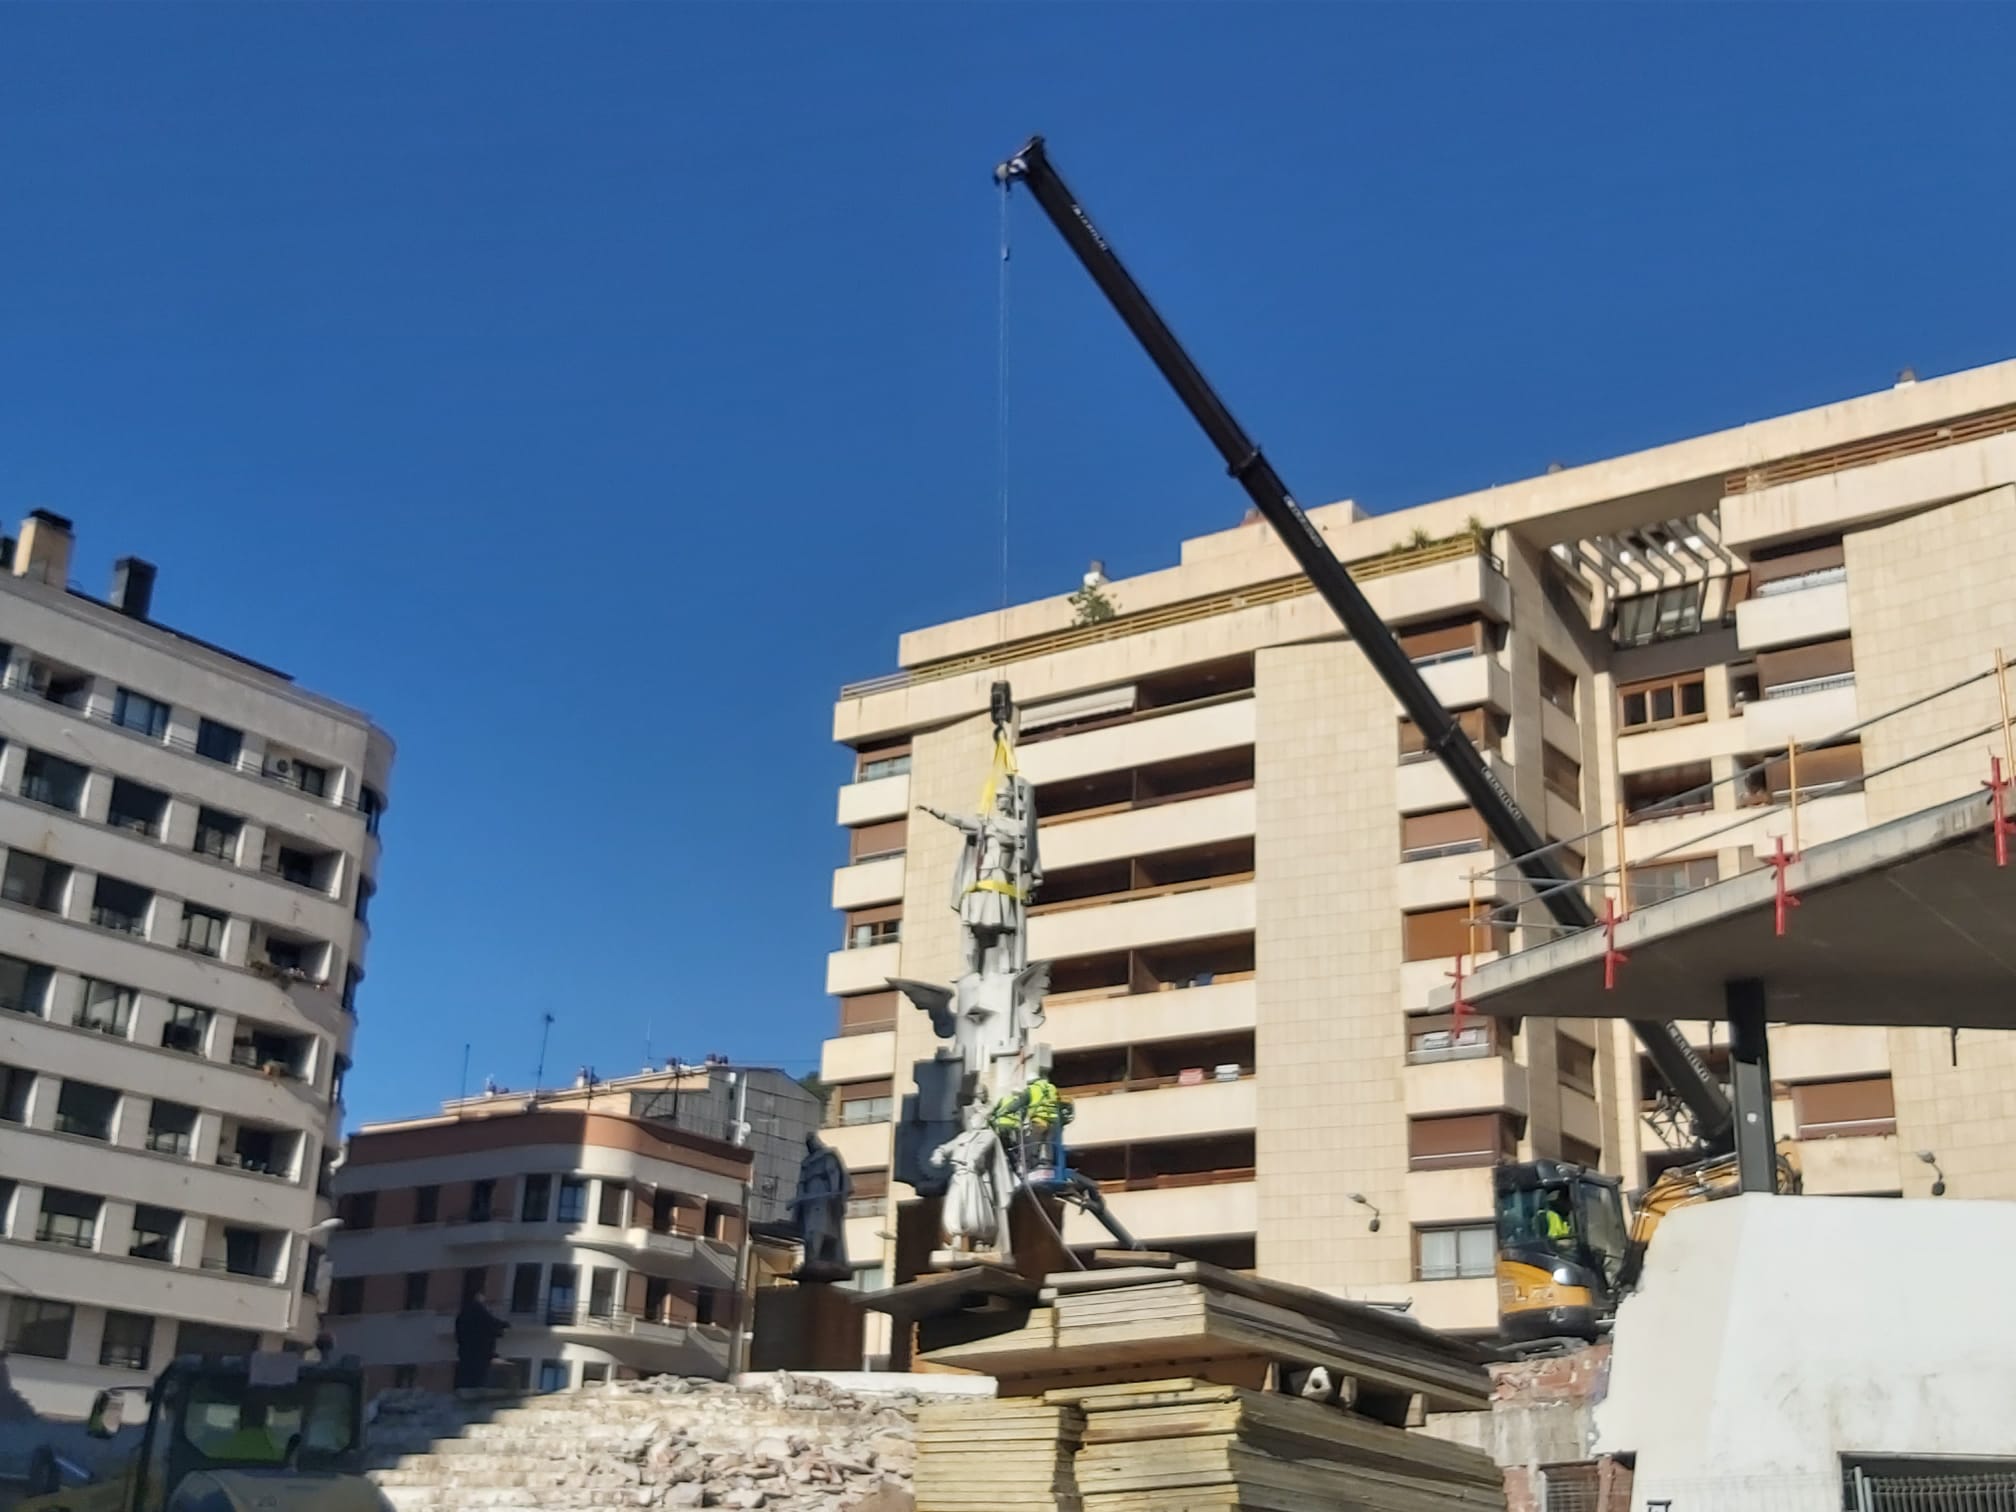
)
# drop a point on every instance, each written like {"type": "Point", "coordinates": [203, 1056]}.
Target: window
{"type": "Point", "coordinates": [871, 768]}
{"type": "Point", "coordinates": [24, 986]}
{"type": "Point", "coordinates": [1665, 615]}
{"type": "Point", "coordinates": [1667, 791]}
{"type": "Point", "coordinates": [155, 1231]}
{"type": "Point", "coordinates": [187, 1029]}
{"type": "Point", "coordinates": [1440, 933]}
{"type": "Point", "coordinates": [261, 1149]}
{"type": "Point", "coordinates": [121, 906]}
{"type": "Point", "coordinates": [537, 1199]}
{"type": "Point", "coordinates": [1575, 1064]}
{"type": "Point", "coordinates": [1846, 1108]}
{"type": "Point", "coordinates": [360, 1210]}
{"type": "Point", "coordinates": [868, 927]}
{"type": "Point", "coordinates": [1557, 685]}
{"type": "Point", "coordinates": [202, 930]}
{"type": "Point", "coordinates": [15, 1087]}
{"type": "Point", "coordinates": [416, 1292]}
{"type": "Point", "coordinates": [107, 1008]}
{"type": "Point", "coordinates": [426, 1204]}
{"type": "Point", "coordinates": [40, 1328]}
{"type": "Point", "coordinates": [346, 1298]}
{"type": "Point", "coordinates": [573, 1200]}
{"type": "Point", "coordinates": [217, 834]}
{"type": "Point", "coordinates": [136, 711]}
{"type": "Point", "coordinates": [871, 842]}
{"type": "Point", "coordinates": [86, 1110]}
{"type": "Point", "coordinates": [295, 957]}
{"type": "Point", "coordinates": [1796, 565]}
{"type": "Point", "coordinates": [867, 1102]}
{"type": "Point", "coordinates": [1807, 669]}
{"type": "Point", "coordinates": [292, 865]}
{"type": "Point", "coordinates": [552, 1375]}
{"type": "Point", "coordinates": [594, 1372]}
{"type": "Point", "coordinates": [134, 807]}
{"type": "Point", "coordinates": [352, 980]}
{"type": "Point", "coordinates": [1445, 832]}
{"type": "Point", "coordinates": [1428, 644]}
{"type": "Point", "coordinates": [868, 1012]}
{"type": "Point", "coordinates": [366, 890]}
{"type": "Point", "coordinates": [1460, 1139]}
{"type": "Point", "coordinates": [1581, 1153]}
{"type": "Point", "coordinates": [1656, 881]}
{"type": "Point", "coordinates": [601, 1293]}
{"type": "Point", "coordinates": [609, 1209]}
{"type": "Point", "coordinates": [54, 781]}
{"type": "Point", "coordinates": [482, 1199]}
{"type": "Point", "coordinates": [34, 882]}
{"type": "Point", "coordinates": [171, 1128]}
{"type": "Point", "coordinates": [67, 1218]}
{"type": "Point", "coordinates": [1561, 773]}
{"type": "Point", "coordinates": [525, 1289]}
{"type": "Point", "coordinates": [1485, 729]}
{"type": "Point", "coordinates": [311, 1269]}
{"type": "Point", "coordinates": [128, 1342]}
{"type": "Point", "coordinates": [219, 742]}
{"type": "Point", "coordinates": [1682, 699]}
{"type": "Point", "coordinates": [562, 1294]}
{"type": "Point", "coordinates": [295, 773]}
{"type": "Point", "coordinates": [371, 804]}
{"type": "Point", "coordinates": [1452, 1254]}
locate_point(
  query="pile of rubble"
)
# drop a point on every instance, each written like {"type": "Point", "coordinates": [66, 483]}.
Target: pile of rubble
{"type": "Point", "coordinates": [796, 1445]}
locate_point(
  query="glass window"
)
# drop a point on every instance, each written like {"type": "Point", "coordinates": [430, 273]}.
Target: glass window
{"type": "Point", "coordinates": [217, 834]}
{"type": "Point", "coordinates": [371, 803]}
{"type": "Point", "coordinates": [416, 1292]}
{"type": "Point", "coordinates": [15, 1087]}
{"type": "Point", "coordinates": [187, 1028]}
{"type": "Point", "coordinates": [609, 1206]}
{"type": "Point", "coordinates": [128, 1342]}
{"type": "Point", "coordinates": [426, 1204]}
{"type": "Point", "coordinates": [538, 1198]}
{"type": "Point", "coordinates": [1450, 1254]}
{"type": "Point", "coordinates": [121, 906]}
{"type": "Point", "coordinates": [35, 883]}
{"type": "Point", "coordinates": [219, 742]}
{"type": "Point", "coordinates": [573, 1200]}
{"type": "Point", "coordinates": [553, 1375]}
{"type": "Point", "coordinates": [482, 1197]}
{"type": "Point", "coordinates": [86, 1110]}
{"type": "Point", "coordinates": [24, 986]}
{"type": "Point", "coordinates": [107, 1008]}
{"type": "Point", "coordinates": [40, 1328]}
{"type": "Point", "coordinates": [171, 1128]}
{"type": "Point", "coordinates": [202, 930]}
{"type": "Point", "coordinates": [155, 1230]}
{"type": "Point", "coordinates": [67, 1218]}
{"type": "Point", "coordinates": [136, 711]}
{"type": "Point", "coordinates": [525, 1289]}
{"type": "Point", "coordinates": [136, 807]}
{"type": "Point", "coordinates": [54, 781]}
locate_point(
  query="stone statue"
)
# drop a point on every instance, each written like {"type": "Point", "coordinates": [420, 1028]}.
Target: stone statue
{"type": "Point", "coordinates": [998, 872]}
{"type": "Point", "coordinates": [819, 1209]}
{"type": "Point", "coordinates": [978, 1196]}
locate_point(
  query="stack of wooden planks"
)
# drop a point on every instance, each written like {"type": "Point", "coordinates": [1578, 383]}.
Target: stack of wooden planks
{"type": "Point", "coordinates": [1190, 1446]}
{"type": "Point", "coordinates": [990, 1455]}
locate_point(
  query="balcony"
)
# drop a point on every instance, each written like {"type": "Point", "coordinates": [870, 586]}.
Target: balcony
{"type": "Point", "coordinates": [1804, 609]}
{"type": "Point", "coordinates": [862, 970]}
{"type": "Point", "coordinates": [1580, 1117]}
{"type": "Point", "coordinates": [1082, 1022]}
{"type": "Point", "coordinates": [1156, 916]}
{"type": "Point", "coordinates": [1424, 784]}
{"type": "Point", "coordinates": [1170, 1214]}
{"type": "Point", "coordinates": [1468, 681]}
{"type": "Point", "coordinates": [1150, 736]}
{"type": "Point", "coordinates": [880, 798]}
{"type": "Point", "coordinates": [1851, 1167]}
{"type": "Point", "coordinates": [1438, 880]}
{"type": "Point", "coordinates": [644, 1344]}
{"type": "Point", "coordinates": [676, 1257]}
{"type": "Point", "coordinates": [857, 1057]}
{"type": "Point", "coordinates": [868, 882]}
{"type": "Point", "coordinates": [1825, 1052]}
{"type": "Point", "coordinates": [1171, 825]}
{"type": "Point", "coordinates": [1479, 1084]}
{"type": "Point", "coordinates": [865, 1147]}
{"type": "Point", "coordinates": [1453, 1196]}
{"type": "Point", "coordinates": [1805, 712]}
{"type": "Point", "coordinates": [1420, 980]}
{"type": "Point", "coordinates": [1168, 1112]}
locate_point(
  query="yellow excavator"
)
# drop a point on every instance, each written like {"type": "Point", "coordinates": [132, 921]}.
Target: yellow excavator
{"type": "Point", "coordinates": [241, 1433]}
{"type": "Point", "coordinates": [1566, 1256]}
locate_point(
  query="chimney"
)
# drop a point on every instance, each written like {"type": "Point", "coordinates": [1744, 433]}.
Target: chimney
{"type": "Point", "coordinates": [44, 549]}
{"type": "Point", "coordinates": [133, 587]}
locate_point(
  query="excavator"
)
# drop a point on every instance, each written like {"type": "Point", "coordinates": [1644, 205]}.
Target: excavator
{"type": "Point", "coordinates": [1559, 1278]}
{"type": "Point", "coordinates": [1565, 1255]}
{"type": "Point", "coordinates": [269, 1432]}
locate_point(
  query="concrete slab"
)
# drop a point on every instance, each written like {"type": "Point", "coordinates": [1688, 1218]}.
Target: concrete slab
{"type": "Point", "coordinates": [1908, 923]}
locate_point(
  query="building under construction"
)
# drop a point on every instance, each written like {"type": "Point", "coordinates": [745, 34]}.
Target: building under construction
{"type": "Point", "coordinates": [1258, 882]}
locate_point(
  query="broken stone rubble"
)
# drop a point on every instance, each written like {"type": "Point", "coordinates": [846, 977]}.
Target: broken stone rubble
{"type": "Point", "coordinates": [797, 1445]}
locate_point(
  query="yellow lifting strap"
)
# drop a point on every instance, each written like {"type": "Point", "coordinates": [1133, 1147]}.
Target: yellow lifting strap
{"type": "Point", "coordinates": [1003, 766]}
{"type": "Point", "coordinates": [989, 884]}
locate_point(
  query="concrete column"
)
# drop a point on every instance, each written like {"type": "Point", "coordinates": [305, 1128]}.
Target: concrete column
{"type": "Point", "coordinates": [1750, 1086]}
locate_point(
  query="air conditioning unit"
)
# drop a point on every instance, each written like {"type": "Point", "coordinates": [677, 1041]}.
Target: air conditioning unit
{"type": "Point", "coordinates": [279, 766]}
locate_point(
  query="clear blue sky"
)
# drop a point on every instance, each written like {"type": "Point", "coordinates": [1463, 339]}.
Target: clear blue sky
{"type": "Point", "coordinates": [588, 391]}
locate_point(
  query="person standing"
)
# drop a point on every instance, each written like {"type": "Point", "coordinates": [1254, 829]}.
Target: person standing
{"type": "Point", "coordinates": [477, 1330]}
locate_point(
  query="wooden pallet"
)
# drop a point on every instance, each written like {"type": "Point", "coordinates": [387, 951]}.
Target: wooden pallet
{"type": "Point", "coordinates": [984, 1456]}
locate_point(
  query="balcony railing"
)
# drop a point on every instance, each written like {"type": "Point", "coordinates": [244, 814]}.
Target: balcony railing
{"type": "Point", "coordinates": [75, 1239]}
{"type": "Point", "coordinates": [1810, 685]}
{"type": "Point", "coordinates": [1819, 577]}
{"type": "Point", "coordinates": [167, 1142]}
{"type": "Point", "coordinates": [1431, 852]}
{"type": "Point", "coordinates": [117, 921]}
{"type": "Point", "coordinates": [87, 1128]}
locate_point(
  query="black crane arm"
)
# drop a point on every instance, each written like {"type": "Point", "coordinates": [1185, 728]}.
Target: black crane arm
{"type": "Point", "coordinates": [1675, 1059]}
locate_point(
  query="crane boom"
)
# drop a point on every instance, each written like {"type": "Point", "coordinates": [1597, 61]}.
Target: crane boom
{"type": "Point", "coordinates": [1714, 1123]}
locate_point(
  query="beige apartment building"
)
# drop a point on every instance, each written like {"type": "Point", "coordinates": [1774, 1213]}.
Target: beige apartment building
{"type": "Point", "coordinates": [1256, 878]}
{"type": "Point", "coordinates": [610, 1245]}
{"type": "Point", "coordinates": [190, 842]}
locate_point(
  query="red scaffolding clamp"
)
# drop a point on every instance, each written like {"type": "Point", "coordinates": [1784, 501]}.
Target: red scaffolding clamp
{"type": "Point", "coordinates": [1612, 956]}
{"type": "Point", "coordinates": [1778, 861]}
{"type": "Point", "coordinates": [1458, 1004]}
{"type": "Point", "coordinates": [1998, 804]}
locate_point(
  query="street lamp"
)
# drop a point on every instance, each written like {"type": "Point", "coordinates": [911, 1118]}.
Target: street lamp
{"type": "Point", "coordinates": [1938, 1176]}
{"type": "Point", "coordinates": [314, 1232]}
{"type": "Point", "coordinates": [1362, 1201]}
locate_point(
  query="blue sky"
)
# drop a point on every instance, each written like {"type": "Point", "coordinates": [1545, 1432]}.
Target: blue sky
{"type": "Point", "coordinates": [588, 391]}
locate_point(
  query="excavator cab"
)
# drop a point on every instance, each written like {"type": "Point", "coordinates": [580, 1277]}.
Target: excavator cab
{"type": "Point", "coordinates": [1562, 1247]}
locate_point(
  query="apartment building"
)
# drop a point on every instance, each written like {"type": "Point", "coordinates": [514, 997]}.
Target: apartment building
{"type": "Point", "coordinates": [190, 843]}
{"type": "Point", "coordinates": [612, 1246]}
{"type": "Point", "coordinates": [1256, 876]}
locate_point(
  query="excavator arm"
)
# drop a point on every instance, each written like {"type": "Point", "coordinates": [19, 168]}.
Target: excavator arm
{"type": "Point", "coordinates": [1712, 1119]}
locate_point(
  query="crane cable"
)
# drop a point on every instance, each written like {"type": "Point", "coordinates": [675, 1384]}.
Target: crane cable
{"type": "Point", "coordinates": [1001, 397]}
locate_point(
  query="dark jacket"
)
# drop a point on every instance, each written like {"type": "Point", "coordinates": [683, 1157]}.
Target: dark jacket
{"type": "Point", "coordinates": [477, 1330]}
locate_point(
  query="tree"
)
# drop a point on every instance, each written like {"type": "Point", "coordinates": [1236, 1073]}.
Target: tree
{"type": "Point", "coordinates": [1090, 606]}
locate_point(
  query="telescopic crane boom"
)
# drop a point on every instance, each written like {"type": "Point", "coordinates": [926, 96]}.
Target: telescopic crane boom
{"type": "Point", "coordinates": [1682, 1069]}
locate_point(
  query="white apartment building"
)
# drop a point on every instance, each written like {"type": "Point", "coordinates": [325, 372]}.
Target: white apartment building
{"type": "Point", "coordinates": [190, 842]}
{"type": "Point", "coordinates": [1256, 877]}
{"type": "Point", "coordinates": [610, 1245]}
